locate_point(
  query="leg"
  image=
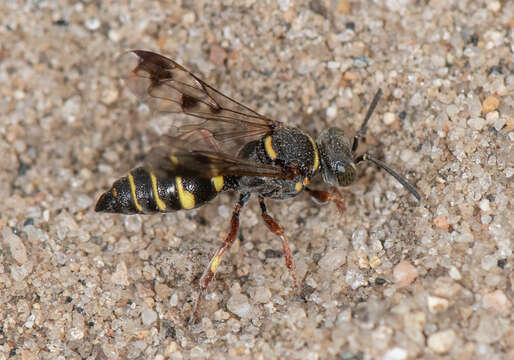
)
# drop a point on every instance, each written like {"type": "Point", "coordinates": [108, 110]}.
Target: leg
{"type": "Point", "coordinates": [325, 196]}
{"type": "Point", "coordinates": [209, 272]}
{"type": "Point", "coordinates": [277, 230]}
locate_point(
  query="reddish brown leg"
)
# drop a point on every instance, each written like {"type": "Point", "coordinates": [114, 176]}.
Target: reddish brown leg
{"type": "Point", "coordinates": [277, 230]}
{"type": "Point", "coordinates": [325, 196]}
{"type": "Point", "coordinates": [209, 272]}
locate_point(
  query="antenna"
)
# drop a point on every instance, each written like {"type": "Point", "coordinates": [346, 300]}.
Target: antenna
{"type": "Point", "coordinates": [364, 126]}
{"type": "Point", "coordinates": [391, 172]}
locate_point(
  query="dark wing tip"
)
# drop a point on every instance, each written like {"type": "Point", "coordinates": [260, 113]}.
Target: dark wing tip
{"type": "Point", "coordinates": [161, 61]}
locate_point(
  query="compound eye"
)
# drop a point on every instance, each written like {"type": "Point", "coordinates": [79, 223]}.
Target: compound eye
{"type": "Point", "coordinates": [346, 174]}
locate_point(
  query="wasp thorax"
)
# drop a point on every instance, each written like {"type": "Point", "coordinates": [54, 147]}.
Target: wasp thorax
{"type": "Point", "coordinates": [336, 156]}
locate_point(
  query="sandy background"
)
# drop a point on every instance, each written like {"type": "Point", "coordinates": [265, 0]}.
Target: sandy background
{"type": "Point", "coordinates": [390, 279]}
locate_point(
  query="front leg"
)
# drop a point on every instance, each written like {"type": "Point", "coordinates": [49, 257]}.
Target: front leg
{"type": "Point", "coordinates": [325, 196]}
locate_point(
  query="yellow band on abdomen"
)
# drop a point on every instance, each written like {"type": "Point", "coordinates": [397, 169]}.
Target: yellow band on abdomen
{"type": "Point", "coordinates": [218, 183]}
{"type": "Point", "coordinates": [160, 204]}
{"type": "Point", "coordinates": [133, 192]}
{"type": "Point", "coordinates": [187, 200]}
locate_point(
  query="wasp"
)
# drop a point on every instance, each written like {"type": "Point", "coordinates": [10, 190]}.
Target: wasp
{"type": "Point", "coordinates": [229, 148]}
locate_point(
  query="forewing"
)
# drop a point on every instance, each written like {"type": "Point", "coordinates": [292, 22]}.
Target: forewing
{"type": "Point", "coordinates": [174, 157]}
{"type": "Point", "coordinates": [168, 87]}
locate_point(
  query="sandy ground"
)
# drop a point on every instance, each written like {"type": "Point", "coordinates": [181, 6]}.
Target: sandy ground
{"type": "Point", "coordinates": [389, 279]}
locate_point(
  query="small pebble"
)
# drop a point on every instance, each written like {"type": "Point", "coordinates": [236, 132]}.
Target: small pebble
{"type": "Point", "coordinates": [188, 18]}
{"type": "Point", "coordinates": [395, 353]}
{"type": "Point", "coordinates": [217, 55]}
{"type": "Point", "coordinates": [26, 354]}
{"type": "Point", "coordinates": [492, 117]}
{"type": "Point", "coordinates": [262, 295]}
{"type": "Point", "coordinates": [76, 334]}
{"type": "Point", "coordinates": [404, 274]}
{"type": "Point", "coordinates": [441, 342]}
{"type": "Point", "coordinates": [389, 118]}
{"type": "Point", "coordinates": [133, 223]}
{"type": "Point", "coordinates": [496, 301]}
{"type": "Point", "coordinates": [109, 96]}
{"type": "Point", "coordinates": [120, 276]}
{"type": "Point", "coordinates": [437, 304]}
{"type": "Point", "coordinates": [172, 349]}
{"type": "Point", "coordinates": [490, 104]}
{"type": "Point", "coordinates": [289, 15]}
{"type": "Point", "coordinates": [375, 262]}
{"type": "Point", "coordinates": [333, 259]}
{"type": "Point", "coordinates": [333, 65]}
{"type": "Point", "coordinates": [363, 262]}
{"type": "Point", "coordinates": [442, 222]}
{"type": "Point", "coordinates": [361, 62]}
{"type": "Point", "coordinates": [509, 123]}
{"type": "Point", "coordinates": [148, 316]}
{"type": "Point", "coordinates": [344, 7]}
{"type": "Point", "coordinates": [93, 24]}
{"type": "Point", "coordinates": [416, 100]}
{"type": "Point", "coordinates": [484, 205]}
{"type": "Point", "coordinates": [114, 35]}
{"type": "Point", "coordinates": [437, 60]}
{"type": "Point", "coordinates": [162, 290]}
{"type": "Point", "coordinates": [331, 111]}
{"type": "Point", "coordinates": [488, 262]}
{"type": "Point", "coordinates": [476, 123]}
{"type": "Point", "coordinates": [141, 334]}
{"type": "Point", "coordinates": [239, 305]}
{"type": "Point", "coordinates": [499, 124]}
{"type": "Point", "coordinates": [491, 328]}
{"type": "Point", "coordinates": [355, 279]}
{"type": "Point", "coordinates": [16, 246]}
{"type": "Point", "coordinates": [221, 315]}
{"type": "Point", "coordinates": [455, 273]}
{"type": "Point", "coordinates": [493, 39]}
{"type": "Point", "coordinates": [452, 110]}
{"type": "Point", "coordinates": [486, 219]}
{"type": "Point", "coordinates": [494, 6]}
{"type": "Point", "coordinates": [174, 300]}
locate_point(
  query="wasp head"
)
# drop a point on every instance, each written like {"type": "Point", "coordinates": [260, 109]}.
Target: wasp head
{"type": "Point", "coordinates": [337, 165]}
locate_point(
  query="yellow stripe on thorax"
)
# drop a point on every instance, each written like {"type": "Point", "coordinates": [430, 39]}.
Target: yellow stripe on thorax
{"type": "Point", "coordinates": [133, 192]}
{"type": "Point", "coordinates": [269, 148]}
{"type": "Point", "coordinates": [160, 204]}
{"type": "Point", "coordinates": [187, 200]}
{"type": "Point", "coordinates": [316, 154]}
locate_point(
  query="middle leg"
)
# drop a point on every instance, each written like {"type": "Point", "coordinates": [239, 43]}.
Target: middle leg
{"type": "Point", "coordinates": [277, 230]}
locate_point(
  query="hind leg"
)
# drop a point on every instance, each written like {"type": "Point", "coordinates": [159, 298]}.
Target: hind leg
{"type": "Point", "coordinates": [210, 271]}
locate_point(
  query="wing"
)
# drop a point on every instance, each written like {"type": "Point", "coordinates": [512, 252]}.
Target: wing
{"type": "Point", "coordinates": [208, 148]}
{"type": "Point", "coordinates": [168, 87]}
{"type": "Point", "coordinates": [176, 157]}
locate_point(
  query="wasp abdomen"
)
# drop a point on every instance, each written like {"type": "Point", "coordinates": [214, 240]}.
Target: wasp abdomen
{"type": "Point", "coordinates": [142, 192]}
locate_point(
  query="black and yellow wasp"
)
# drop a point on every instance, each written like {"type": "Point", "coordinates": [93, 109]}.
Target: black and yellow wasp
{"type": "Point", "coordinates": [231, 147]}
